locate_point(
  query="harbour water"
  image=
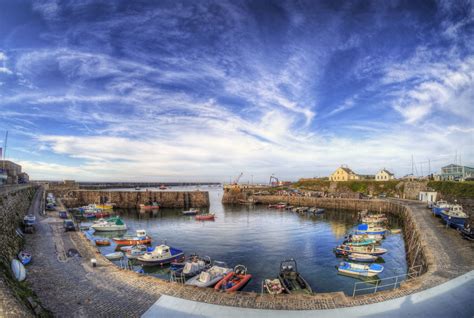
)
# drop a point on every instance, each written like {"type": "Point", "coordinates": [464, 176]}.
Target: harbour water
{"type": "Point", "coordinates": [260, 238]}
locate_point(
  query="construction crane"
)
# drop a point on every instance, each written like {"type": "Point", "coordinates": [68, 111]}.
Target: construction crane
{"type": "Point", "coordinates": [236, 180]}
{"type": "Point", "coordinates": [273, 181]}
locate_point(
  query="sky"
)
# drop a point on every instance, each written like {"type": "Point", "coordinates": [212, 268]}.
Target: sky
{"type": "Point", "coordinates": [205, 90]}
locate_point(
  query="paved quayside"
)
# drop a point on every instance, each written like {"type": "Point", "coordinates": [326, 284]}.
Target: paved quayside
{"type": "Point", "coordinates": [70, 286]}
{"type": "Point", "coordinates": [451, 299]}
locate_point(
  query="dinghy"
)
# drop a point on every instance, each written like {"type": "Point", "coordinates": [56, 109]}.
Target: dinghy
{"type": "Point", "coordinates": [24, 257]}
{"type": "Point", "coordinates": [140, 238]}
{"type": "Point", "coordinates": [109, 225]}
{"type": "Point", "coordinates": [18, 270]}
{"type": "Point", "coordinates": [211, 276]}
{"type": "Point", "coordinates": [191, 212]}
{"type": "Point", "coordinates": [359, 237]}
{"type": "Point", "coordinates": [205, 217]}
{"type": "Point", "coordinates": [136, 251]}
{"type": "Point", "coordinates": [370, 229]}
{"type": "Point", "coordinates": [161, 255]}
{"type": "Point", "coordinates": [114, 256]}
{"type": "Point", "coordinates": [102, 242]}
{"type": "Point", "coordinates": [234, 280]}
{"type": "Point", "coordinates": [363, 242]}
{"type": "Point", "coordinates": [273, 286]}
{"type": "Point", "coordinates": [354, 269]}
{"type": "Point", "coordinates": [366, 258]}
{"type": "Point", "coordinates": [370, 249]}
{"type": "Point", "coordinates": [192, 267]}
{"type": "Point", "coordinates": [291, 279]}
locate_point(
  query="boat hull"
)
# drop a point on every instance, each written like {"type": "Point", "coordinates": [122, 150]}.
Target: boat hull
{"type": "Point", "coordinates": [454, 221]}
{"type": "Point", "coordinates": [237, 282]}
{"type": "Point", "coordinates": [109, 228]}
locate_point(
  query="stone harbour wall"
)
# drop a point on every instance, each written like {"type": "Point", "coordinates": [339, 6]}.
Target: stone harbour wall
{"type": "Point", "coordinates": [14, 206]}
{"type": "Point", "coordinates": [131, 199]}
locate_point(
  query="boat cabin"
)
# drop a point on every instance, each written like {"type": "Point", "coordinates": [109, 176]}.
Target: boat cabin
{"type": "Point", "coordinates": [141, 233]}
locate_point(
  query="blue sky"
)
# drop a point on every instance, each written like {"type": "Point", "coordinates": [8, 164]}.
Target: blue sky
{"type": "Point", "coordinates": [204, 90]}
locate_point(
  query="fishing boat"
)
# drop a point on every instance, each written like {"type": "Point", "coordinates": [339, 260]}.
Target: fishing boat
{"type": "Point", "coordinates": [163, 187]}
{"type": "Point", "coordinates": [355, 269]}
{"type": "Point", "coordinates": [161, 255]}
{"type": "Point", "coordinates": [211, 276]}
{"type": "Point", "coordinates": [234, 280]}
{"type": "Point", "coordinates": [366, 258]}
{"type": "Point", "coordinates": [362, 242]}
{"type": "Point", "coordinates": [102, 242]}
{"type": "Point", "coordinates": [192, 267]}
{"type": "Point", "coordinates": [467, 232]}
{"type": "Point", "coordinates": [137, 251]}
{"type": "Point", "coordinates": [140, 238]}
{"type": "Point", "coordinates": [109, 225]}
{"type": "Point", "coordinates": [359, 237]}
{"type": "Point", "coordinates": [205, 217]}
{"type": "Point", "coordinates": [105, 206]}
{"type": "Point", "coordinates": [370, 229]}
{"type": "Point", "coordinates": [273, 286]}
{"type": "Point", "coordinates": [370, 249]}
{"type": "Point", "coordinates": [114, 256]}
{"type": "Point", "coordinates": [374, 219]}
{"type": "Point", "coordinates": [291, 279]}
{"type": "Point", "coordinates": [319, 211]}
{"type": "Point", "coordinates": [149, 206]}
{"type": "Point", "coordinates": [18, 270]}
{"type": "Point", "coordinates": [24, 257]}
{"type": "Point", "coordinates": [455, 216]}
{"type": "Point", "coordinates": [439, 207]}
{"type": "Point", "coordinates": [191, 212]}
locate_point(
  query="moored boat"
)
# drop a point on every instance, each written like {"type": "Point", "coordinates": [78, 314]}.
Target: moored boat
{"type": "Point", "coordinates": [191, 212]}
{"type": "Point", "coordinates": [370, 249]}
{"type": "Point", "coordinates": [105, 206]}
{"type": "Point", "coordinates": [102, 242]}
{"type": "Point", "coordinates": [467, 232]}
{"type": "Point", "coordinates": [234, 280]}
{"type": "Point", "coordinates": [273, 286]}
{"type": "Point", "coordinates": [140, 238]}
{"type": "Point", "coordinates": [149, 206]}
{"type": "Point", "coordinates": [366, 258]}
{"type": "Point", "coordinates": [24, 257]}
{"type": "Point", "coordinates": [205, 217]}
{"type": "Point", "coordinates": [136, 251]}
{"type": "Point", "coordinates": [365, 270]}
{"type": "Point", "coordinates": [439, 207]}
{"type": "Point", "coordinates": [455, 216]}
{"type": "Point", "coordinates": [362, 242]}
{"type": "Point", "coordinates": [161, 255]}
{"type": "Point", "coordinates": [359, 237]}
{"type": "Point", "coordinates": [18, 270]}
{"type": "Point", "coordinates": [211, 276]}
{"type": "Point", "coordinates": [114, 256]}
{"type": "Point", "coordinates": [109, 225]}
{"type": "Point", "coordinates": [192, 267]}
{"type": "Point", "coordinates": [370, 229]}
{"type": "Point", "coordinates": [291, 279]}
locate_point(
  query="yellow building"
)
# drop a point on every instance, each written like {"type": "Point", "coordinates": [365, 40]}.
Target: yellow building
{"type": "Point", "coordinates": [344, 173]}
{"type": "Point", "coordinates": [384, 175]}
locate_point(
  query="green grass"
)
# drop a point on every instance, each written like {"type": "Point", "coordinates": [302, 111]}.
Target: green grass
{"type": "Point", "coordinates": [454, 189]}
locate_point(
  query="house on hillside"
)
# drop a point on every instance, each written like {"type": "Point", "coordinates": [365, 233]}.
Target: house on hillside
{"type": "Point", "coordinates": [384, 175]}
{"type": "Point", "coordinates": [344, 173]}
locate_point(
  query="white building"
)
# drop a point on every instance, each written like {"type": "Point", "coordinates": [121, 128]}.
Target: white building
{"type": "Point", "coordinates": [427, 196]}
{"type": "Point", "coordinates": [384, 175]}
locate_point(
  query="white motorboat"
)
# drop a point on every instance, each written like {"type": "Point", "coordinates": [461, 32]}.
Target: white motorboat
{"type": "Point", "coordinates": [109, 225]}
{"type": "Point", "coordinates": [114, 256]}
{"type": "Point", "coordinates": [161, 255]}
{"type": "Point", "coordinates": [211, 276]}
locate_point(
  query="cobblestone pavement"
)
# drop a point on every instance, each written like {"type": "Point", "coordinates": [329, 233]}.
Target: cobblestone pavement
{"type": "Point", "coordinates": [70, 287]}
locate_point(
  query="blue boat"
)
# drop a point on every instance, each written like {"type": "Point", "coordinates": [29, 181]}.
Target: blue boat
{"type": "Point", "coordinates": [360, 269]}
{"type": "Point", "coordinates": [365, 258]}
{"type": "Point", "coordinates": [161, 255]}
{"type": "Point", "coordinates": [440, 207]}
{"type": "Point", "coordinates": [24, 257]}
{"type": "Point", "coordinates": [366, 229]}
{"type": "Point", "coordinates": [455, 216]}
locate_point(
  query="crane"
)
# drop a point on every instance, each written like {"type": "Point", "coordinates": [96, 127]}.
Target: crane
{"type": "Point", "coordinates": [273, 180]}
{"type": "Point", "coordinates": [236, 180]}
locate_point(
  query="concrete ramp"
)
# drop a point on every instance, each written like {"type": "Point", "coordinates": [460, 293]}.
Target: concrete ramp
{"type": "Point", "coordinates": [454, 298]}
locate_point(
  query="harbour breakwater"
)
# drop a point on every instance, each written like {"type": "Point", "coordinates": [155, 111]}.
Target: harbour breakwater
{"type": "Point", "coordinates": [15, 298]}
{"type": "Point", "coordinates": [417, 253]}
{"type": "Point", "coordinates": [132, 199]}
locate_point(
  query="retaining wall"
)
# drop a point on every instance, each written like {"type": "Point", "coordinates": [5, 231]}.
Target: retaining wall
{"type": "Point", "coordinates": [14, 206]}
{"type": "Point", "coordinates": [131, 199]}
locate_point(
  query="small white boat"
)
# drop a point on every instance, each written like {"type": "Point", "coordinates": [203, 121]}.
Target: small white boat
{"type": "Point", "coordinates": [136, 251]}
{"type": "Point", "coordinates": [273, 286]}
{"type": "Point", "coordinates": [161, 255]}
{"type": "Point", "coordinates": [360, 269]}
{"type": "Point", "coordinates": [211, 276]}
{"type": "Point", "coordinates": [114, 256]}
{"type": "Point", "coordinates": [18, 270]}
{"type": "Point", "coordinates": [109, 225]}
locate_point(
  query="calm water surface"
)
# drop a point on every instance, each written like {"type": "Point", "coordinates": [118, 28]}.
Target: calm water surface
{"type": "Point", "coordinates": [260, 238]}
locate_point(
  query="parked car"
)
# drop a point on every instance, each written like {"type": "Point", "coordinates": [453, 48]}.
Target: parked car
{"type": "Point", "coordinates": [69, 225]}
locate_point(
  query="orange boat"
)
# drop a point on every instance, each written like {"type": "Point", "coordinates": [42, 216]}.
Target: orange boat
{"type": "Point", "coordinates": [102, 242]}
{"type": "Point", "coordinates": [205, 217]}
{"type": "Point", "coordinates": [235, 280]}
{"type": "Point", "coordinates": [140, 238]}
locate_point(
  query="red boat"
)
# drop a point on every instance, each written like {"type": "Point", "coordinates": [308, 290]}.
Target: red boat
{"type": "Point", "coordinates": [234, 280]}
{"type": "Point", "coordinates": [140, 238]}
{"type": "Point", "coordinates": [205, 217]}
{"type": "Point", "coordinates": [153, 206]}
